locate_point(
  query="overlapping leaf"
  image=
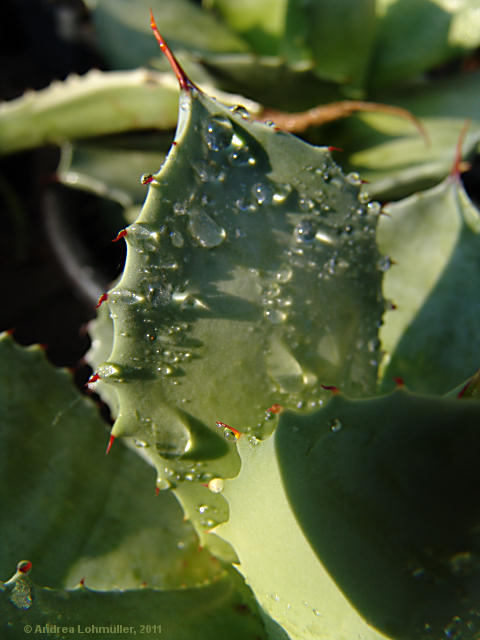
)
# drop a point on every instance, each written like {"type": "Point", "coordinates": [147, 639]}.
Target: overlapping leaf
{"type": "Point", "coordinates": [252, 277]}
{"type": "Point", "coordinates": [372, 504]}
{"type": "Point", "coordinates": [432, 338]}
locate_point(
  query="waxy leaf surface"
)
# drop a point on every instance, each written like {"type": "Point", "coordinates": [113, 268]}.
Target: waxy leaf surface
{"type": "Point", "coordinates": [371, 505]}
{"type": "Point", "coordinates": [252, 278]}
{"type": "Point", "coordinates": [432, 338]}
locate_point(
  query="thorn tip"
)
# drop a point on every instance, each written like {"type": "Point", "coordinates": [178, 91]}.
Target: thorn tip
{"type": "Point", "coordinates": [109, 445]}
{"type": "Point", "coordinates": [183, 80]}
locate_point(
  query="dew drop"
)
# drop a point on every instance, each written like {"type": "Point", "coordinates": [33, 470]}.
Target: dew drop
{"type": "Point", "coordinates": [110, 372]}
{"type": "Point", "coordinates": [373, 208]}
{"type": "Point", "coordinates": [162, 484]}
{"type": "Point", "coordinates": [177, 239]}
{"type": "Point", "coordinates": [335, 425]}
{"type": "Point", "coordinates": [261, 193]}
{"type": "Point", "coordinates": [208, 523]}
{"type": "Point", "coordinates": [241, 157]}
{"type": "Point", "coordinates": [146, 178]}
{"type": "Point", "coordinates": [284, 275]}
{"type": "Point", "coordinates": [363, 197]}
{"type": "Point", "coordinates": [173, 438]}
{"type": "Point", "coordinates": [305, 231]}
{"type": "Point", "coordinates": [360, 211]}
{"type": "Point", "coordinates": [202, 508]}
{"type": "Point", "coordinates": [306, 204]}
{"type": "Point", "coordinates": [218, 133]}
{"type": "Point", "coordinates": [240, 110]}
{"type": "Point", "coordinates": [159, 295]}
{"type": "Point", "coordinates": [21, 594]}
{"type": "Point", "coordinates": [244, 205]}
{"type": "Point", "coordinates": [275, 316]}
{"type": "Point", "coordinates": [216, 485]}
{"type": "Point", "coordinates": [205, 230]}
{"type": "Point", "coordinates": [141, 444]}
{"type": "Point", "coordinates": [179, 209]}
{"type": "Point", "coordinates": [323, 236]}
{"type": "Point", "coordinates": [229, 435]}
{"type": "Point", "coordinates": [353, 179]}
{"type": "Point", "coordinates": [282, 191]}
{"type": "Point", "coordinates": [384, 263]}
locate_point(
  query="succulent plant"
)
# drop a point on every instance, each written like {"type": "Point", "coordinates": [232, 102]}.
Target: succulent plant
{"type": "Point", "coordinates": [253, 353]}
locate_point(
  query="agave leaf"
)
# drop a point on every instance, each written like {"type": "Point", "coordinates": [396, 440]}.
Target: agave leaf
{"type": "Point", "coordinates": [260, 23]}
{"type": "Point", "coordinates": [97, 103]}
{"type": "Point", "coordinates": [116, 24]}
{"type": "Point", "coordinates": [252, 277]}
{"type": "Point", "coordinates": [270, 80]}
{"type": "Point", "coordinates": [73, 523]}
{"type": "Point", "coordinates": [417, 35]}
{"type": "Point", "coordinates": [318, 32]}
{"type": "Point", "coordinates": [432, 337]}
{"type": "Point", "coordinates": [390, 154]}
{"type": "Point", "coordinates": [113, 167]}
{"type": "Point", "coordinates": [224, 608]}
{"type": "Point", "coordinates": [372, 504]}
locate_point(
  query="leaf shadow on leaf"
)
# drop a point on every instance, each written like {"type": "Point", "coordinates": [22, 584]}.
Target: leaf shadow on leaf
{"type": "Point", "coordinates": [387, 504]}
{"type": "Point", "coordinates": [441, 347]}
{"type": "Point", "coordinates": [206, 444]}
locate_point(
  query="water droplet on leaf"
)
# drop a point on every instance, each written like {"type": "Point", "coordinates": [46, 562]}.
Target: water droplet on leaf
{"type": "Point", "coordinates": [21, 594]}
{"type": "Point", "coordinates": [216, 485]}
{"type": "Point", "coordinates": [335, 425]}
{"type": "Point", "coordinates": [384, 263]}
{"type": "Point", "coordinates": [353, 179]}
{"type": "Point", "coordinates": [241, 158]}
{"type": "Point", "coordinates": [373, 208]}
{"type": "Point", "coordinates": [177, 239]}
{"type": "Point", "coordinates": [261, 193]}
{"type": "Point", "coordinates": [162, 484]}
{"type": "Point", "coordinates": [204, 229]}
{"type": "Point", "coordinates": [240, 110]}
{"type": "Point", "coordinates": [305, 231]}
{"type": "Point", "coordinates": [218, 133]}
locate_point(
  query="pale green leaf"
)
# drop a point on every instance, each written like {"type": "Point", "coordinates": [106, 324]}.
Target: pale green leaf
{"type": "Point", "coordinates": [68, 508]}
{"type": "Point", "coordinates": [432, 339]}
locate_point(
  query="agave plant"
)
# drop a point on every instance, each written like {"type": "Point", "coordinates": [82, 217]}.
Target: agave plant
{"type": "Point", "coordinates": [290, 366]}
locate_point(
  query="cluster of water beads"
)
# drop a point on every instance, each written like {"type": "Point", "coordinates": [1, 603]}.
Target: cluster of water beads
{"type": "Point", "coordinates": [209, 515]}
{"type": "Point", "coordinates": [19, 590]}
{"type": "Point", "coordinates": [218, 133]}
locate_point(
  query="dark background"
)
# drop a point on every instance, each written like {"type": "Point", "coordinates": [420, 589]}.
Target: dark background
{"type": "Point", "coordinates": [41, 40]}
